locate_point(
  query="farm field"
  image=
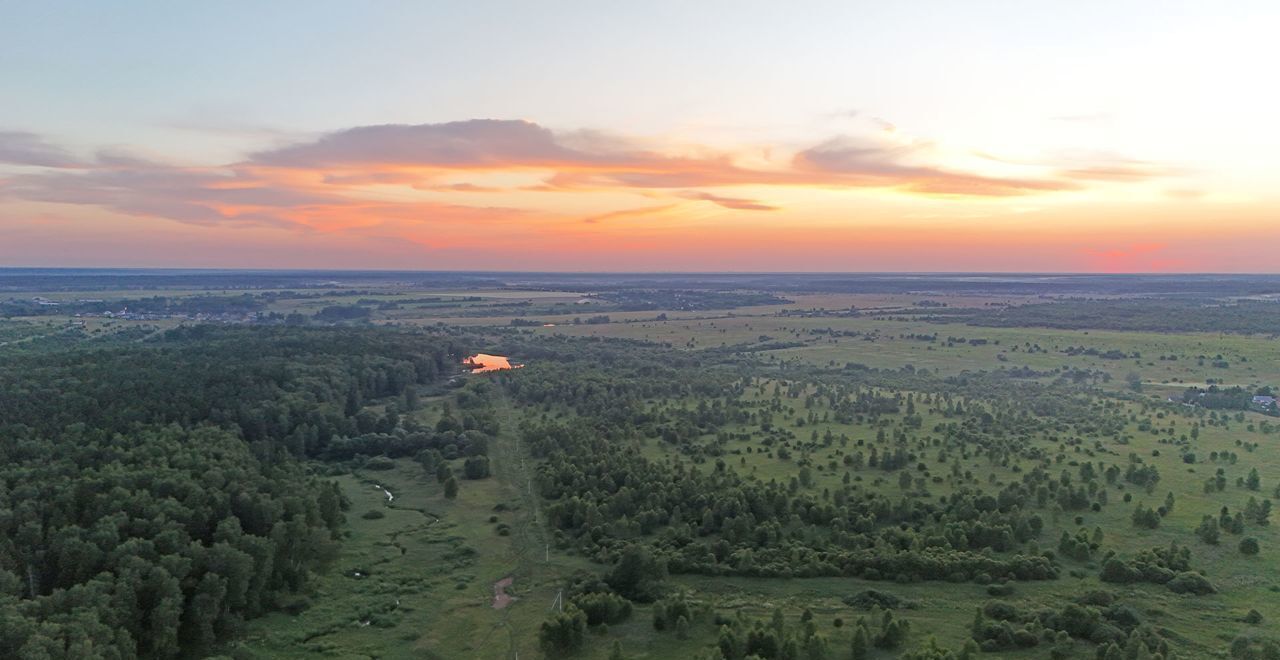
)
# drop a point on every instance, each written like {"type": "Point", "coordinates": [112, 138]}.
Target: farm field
{"type": "Point", "coordinates": [893, 344]}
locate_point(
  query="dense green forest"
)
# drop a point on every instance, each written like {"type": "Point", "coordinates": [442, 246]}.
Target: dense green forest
{"type": "Point", "coordinates": [154, 496]}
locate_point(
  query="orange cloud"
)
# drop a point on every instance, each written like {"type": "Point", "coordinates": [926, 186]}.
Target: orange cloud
{"type": "Point", "coordinates": [457, 187]}
{"type": "Point", "coordinates": [236, 196]}
{"type": "Point", "coordinates": [735, 203]}
{"type": "Point", "coordinates": [599, 161]}
{"type": "Point", "coordinates": [871, 164]}
{"type": "Point", "coordinates": [1123, 172]}
{"type": "Point", "coordinates": [628, 213]}
{"type": "Point", "coordinates": [1094, 167]}
{"type": "Point", "coordinates": [402, 182]}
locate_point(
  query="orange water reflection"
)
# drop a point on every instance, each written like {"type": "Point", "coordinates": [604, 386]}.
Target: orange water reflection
{"type": "Point", "coordinates": [482, 362]}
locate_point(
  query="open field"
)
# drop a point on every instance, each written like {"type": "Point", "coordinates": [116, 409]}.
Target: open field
{"type": "Point", "coordinates": [779, 461]}
{"type": "Point", "coordinates": [418, 581]}
{"type": "Point", "coordinates": [1187, 357]}
{"type": "Point", "coordinates": [946, 611]}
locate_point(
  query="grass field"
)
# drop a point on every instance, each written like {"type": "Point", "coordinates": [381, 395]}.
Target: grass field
{"type": "Point", "coordinates": [1251, 360]}
{"type": "Point", "coordinates": [946, 609]}
{"type": "Point", "coordinates": [417, 581]}
{"type": "Point", "coordinates": [439, 558]}
{"type": "Point", "coordinates": [415, 574]}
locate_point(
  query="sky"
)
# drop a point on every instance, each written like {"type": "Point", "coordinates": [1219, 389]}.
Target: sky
{"type": "Point", "coordinates": [917, 136]}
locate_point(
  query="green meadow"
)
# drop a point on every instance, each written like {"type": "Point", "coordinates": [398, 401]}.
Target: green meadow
{"type": "Point", "coordinates": [439, 558]}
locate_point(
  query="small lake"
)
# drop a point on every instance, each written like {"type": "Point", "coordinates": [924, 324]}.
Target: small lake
{"type": "Point", "coordinates": [482, 362]}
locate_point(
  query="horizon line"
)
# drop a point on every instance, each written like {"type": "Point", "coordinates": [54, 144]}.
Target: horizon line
{"type": "Point", "coordinates": [241, 269]}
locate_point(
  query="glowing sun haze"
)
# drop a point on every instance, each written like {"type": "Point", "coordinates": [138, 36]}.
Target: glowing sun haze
{"type": "Point", "coordinates": [674, 136]}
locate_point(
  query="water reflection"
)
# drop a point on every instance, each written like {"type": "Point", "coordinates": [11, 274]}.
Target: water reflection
{"type": "Point", "coordinates": [482, 362]}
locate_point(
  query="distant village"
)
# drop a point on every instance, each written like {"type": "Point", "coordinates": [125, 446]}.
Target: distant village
{"type": "Point", "coordinates": [1234, 398]}
{"type": "Point", "coordinates": [77, 309]}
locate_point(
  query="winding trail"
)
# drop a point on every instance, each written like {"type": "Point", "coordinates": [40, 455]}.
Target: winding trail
{"type": "Point", "coordinates": [528, 538]}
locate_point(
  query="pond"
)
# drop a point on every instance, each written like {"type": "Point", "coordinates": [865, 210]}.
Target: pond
{"type": "Point", "coordinates": [482, 362]}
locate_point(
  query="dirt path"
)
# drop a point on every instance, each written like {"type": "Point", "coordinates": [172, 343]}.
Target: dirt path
{"type": "Point", "coordinates": [501, 598]}
{"type": "Point", "coordinates": [528, 539]}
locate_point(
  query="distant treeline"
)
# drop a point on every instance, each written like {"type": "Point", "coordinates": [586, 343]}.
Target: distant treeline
{"type": "Point", "coordinates": [120, 279]}
{"type": "Point", "coordinates": [686, 300]}
{"type": "Point", "coordinates": [203, 304]}
{"type": "Point", "coordinates": [1150, 315]}
{"type": "Point", "coordinates": [70, 279]}
{"type": "Point", "coordinates": [338, 313]}
{"type": "Point", "coordinates": [209, 303]}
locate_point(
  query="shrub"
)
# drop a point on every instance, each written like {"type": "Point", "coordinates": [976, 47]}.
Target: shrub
{"type": "Point", "coordinates": [869, 598]}
{"type": "Point", "coordinates": [1096, 597]}
{"type": "Point", "coordinates": [1193, 583]}
{"type": "Point", "coordinates": [1025, 638]}
{"type": "Point", "coordinates": [476, 467]}
{"type": "Point", "coordinates": [1000, 610]}
{"type": "Point", "coordinates": [1116, 570]}
{"type": "Point", "coordinates": [638, 575]}
{"type": "Point", "coordinates": [1000, 590]}
{"type": "Point", "coordinates": [380, 463]}
{"type": "Point", "coordinates": [563, 632]}
{"type": "Point", "coordinates": [603, 608]}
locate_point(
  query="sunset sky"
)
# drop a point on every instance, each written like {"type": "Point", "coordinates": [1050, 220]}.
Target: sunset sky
{"type": "Point", "coordinates": [672, 136]}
